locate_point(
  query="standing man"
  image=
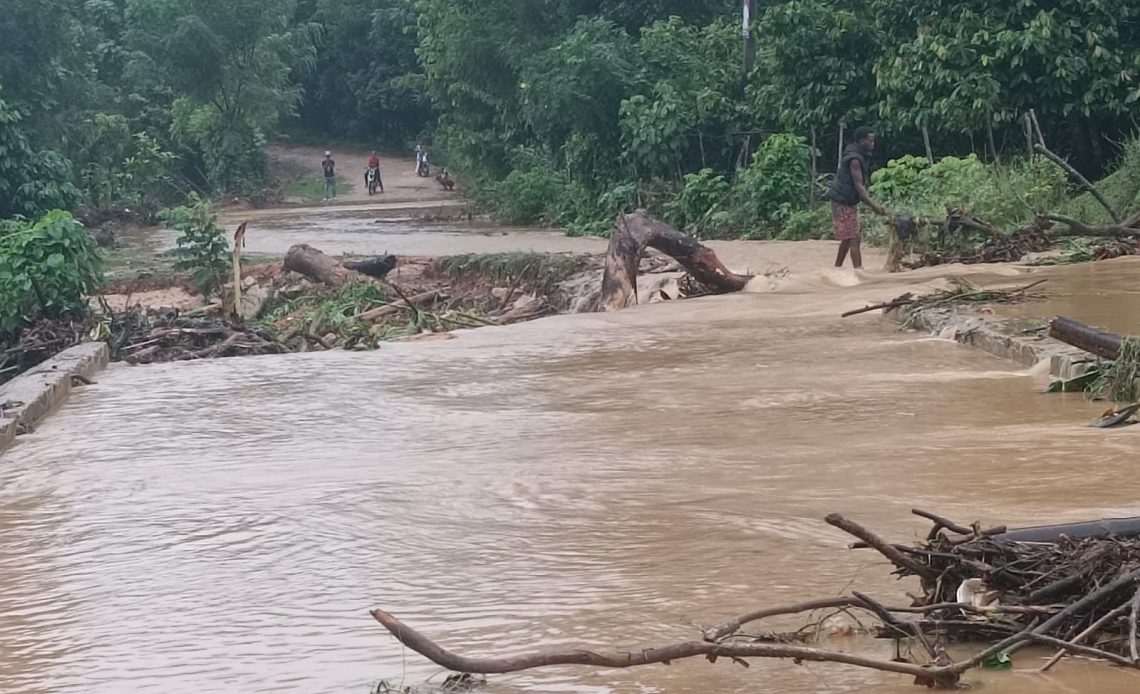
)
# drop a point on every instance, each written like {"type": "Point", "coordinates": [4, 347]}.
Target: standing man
{"type": "Point", "coordinates": [374, 165]}
{"type": "Point", "coordinates": [849, 189]}
{"type": "Point", "coordinates": [329, 167]}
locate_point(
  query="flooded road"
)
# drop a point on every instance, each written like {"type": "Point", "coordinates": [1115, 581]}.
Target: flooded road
{"type": "Point", "coordinates": [224, 526]}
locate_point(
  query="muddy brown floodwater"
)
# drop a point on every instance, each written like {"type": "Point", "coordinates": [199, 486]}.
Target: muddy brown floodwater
{"type": "Point", "coordinates": [224, 526]}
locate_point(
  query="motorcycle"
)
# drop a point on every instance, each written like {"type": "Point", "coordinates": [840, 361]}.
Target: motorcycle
{"type": "Point", "coordinates": [422, 168]}
{"type": "Point", "coordinates": [372, 181]}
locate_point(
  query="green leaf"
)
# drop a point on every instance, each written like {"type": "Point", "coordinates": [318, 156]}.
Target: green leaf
{"type": "Point", "coordinates": [998, 661]}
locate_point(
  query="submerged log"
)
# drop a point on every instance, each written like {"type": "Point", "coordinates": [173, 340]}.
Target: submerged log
{"type": "Point", "coordinates": [635, 232]}
{"type": "Point", "coordinates": [1098, 342]}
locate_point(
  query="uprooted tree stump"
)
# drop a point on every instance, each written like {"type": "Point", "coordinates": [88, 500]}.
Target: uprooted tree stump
{"type": "Point", "coordinates": [635, 232]}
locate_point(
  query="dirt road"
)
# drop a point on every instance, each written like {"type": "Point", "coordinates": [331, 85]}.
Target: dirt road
{"type": "Point", "coordinates": [401, 185]}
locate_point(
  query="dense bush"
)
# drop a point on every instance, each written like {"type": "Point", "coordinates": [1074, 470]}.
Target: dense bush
{"type": "Point", "coordinates": [703, 196]}
{"type": "Point", "coordinates": [1006, 196]}
{"type": "Point", "coordinates": [48, 268]}
{"type": "Point", "coordinates": [777, 182]}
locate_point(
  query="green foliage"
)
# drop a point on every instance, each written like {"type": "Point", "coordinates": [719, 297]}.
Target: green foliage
{"type": "Point", "coordinates": [528, 269]}
{"type": "Point", "coordinates": [202, 249]}
{"type": "Point", "coordinates": [1121, 187]}
{"type": "Point", "coordinates": [367, 80]}
{"type": "Point", "coordinates": [962, 63]}
{"type": "Point", "coordinates": [1006, 196]}
{"type": "Point", "coordinates": [31, 182]}
{"type": "Point", "coordinates": [704, 193]}
{"type": "Point", "coordinates": [596, 68]}
{"type": "Point", "coordinates": [232, 65]}
{"type": "Point", "coordinates": [529, 196]}
{"type": "Point", "coordinates": [117, 166]}
{"type": "Point", "coordinates": [334, 310]}
{"type": "Point", "coordinates": [814, 66]}
{"type": "Point", "coordinates": [655, 129]}
{"type": "Point", "coordinates": [777, 182]}
{"type": "Point", "coordinates": [47, 270]}
{"type": "Point", "coordinates": [803, 225]}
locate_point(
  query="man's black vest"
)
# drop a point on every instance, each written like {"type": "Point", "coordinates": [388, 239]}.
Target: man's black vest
{"type": "Point", "coordinates": [843, 187]}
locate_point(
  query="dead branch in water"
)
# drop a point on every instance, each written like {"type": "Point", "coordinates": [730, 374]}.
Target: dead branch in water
{"type": "Point", "coordinates": [735, 651]}
{"type": "Point", "coordinates": [1093, 607]}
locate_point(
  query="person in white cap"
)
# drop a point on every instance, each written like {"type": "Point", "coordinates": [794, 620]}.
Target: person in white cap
{"type": "Point", "coordinates": [329, 167]}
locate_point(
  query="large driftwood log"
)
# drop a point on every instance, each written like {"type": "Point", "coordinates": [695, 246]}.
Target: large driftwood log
{"type": "Point", "coordinates": [1098, 342]}
{"type": "Point", "coordinates": [315, 265]}
{"type": "Point", "coordinates": [632, 234]}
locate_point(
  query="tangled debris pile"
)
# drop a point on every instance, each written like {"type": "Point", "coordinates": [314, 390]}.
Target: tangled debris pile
{"type": "Point", "coordinates": [145, 336]}
{"type": "Point", "coordinates": [964, 238]}
{"type": "Point", "coordinates": [1075, 588]}
{"type": "Point", "coordinates": [1079, 584]}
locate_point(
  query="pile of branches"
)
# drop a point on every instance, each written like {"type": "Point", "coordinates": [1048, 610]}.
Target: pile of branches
{"type": "Point", "coordinates": [139, 336]}
{"type": "Point", "coordinates": [39, 342]}
{"type": "Point", "coordinates": [979, 586]}
{"type": "Point", "coordinates": [967, 239]}
{"type": "Point", "coordinates": [960, 292]}
{"type": "Point", "coordinates": [1007, 590]}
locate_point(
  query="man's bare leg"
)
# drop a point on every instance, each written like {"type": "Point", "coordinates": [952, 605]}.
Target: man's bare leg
{"type": "Point", "coordinates": [844, 245]}
{"type": "Point", "coordinates": [856, 253]}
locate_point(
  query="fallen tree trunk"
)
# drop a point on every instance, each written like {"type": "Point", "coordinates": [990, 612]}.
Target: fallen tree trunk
{"type": "Point", "coordinates": [1126, 229]}
{"type": "Point", "coordinates": [1103, 344]}
{"type": "Point", "coordinates": [635, 232]}
{"type": "Point", "coordinates": [315, 265]}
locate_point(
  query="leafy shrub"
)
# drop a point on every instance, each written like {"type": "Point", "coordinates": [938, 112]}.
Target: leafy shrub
{"type": "Point", "coordinates": [529, 196]}
{"type": "Point", "coordinates": [233, 153]}
{"type": "Point", "coordinates": [1121, 187]}
{"type": "Point", "coordinates": [777, 182]}
{"type": "Point", "coordinates": [803, 225]}
{"type": "Point", "coordinates": [47, 269]}
{"type": "Point", "coordinates": [117, 166]}
{"type": "Point", "coordinates": [655, 129]}
{"type": "Point", "coordinates": [203, 249]}
{"type": "Point", "coordinates": [704, 194]}
{"type": "Point", "coordinates": [1006, 196]}
{"type": "Point", "coordinates": [31, 182]}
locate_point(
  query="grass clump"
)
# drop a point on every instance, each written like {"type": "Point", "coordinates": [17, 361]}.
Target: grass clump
{"type": "Point", "coordinates": [529, 269]}
{"type": "Point", "coordinates": [1119, 380]}
{"type": "Point", "coordinates": [313, 189]}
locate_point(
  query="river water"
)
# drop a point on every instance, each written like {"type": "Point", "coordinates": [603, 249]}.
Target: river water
{"type": "Point", "coordinates": [225, 526]}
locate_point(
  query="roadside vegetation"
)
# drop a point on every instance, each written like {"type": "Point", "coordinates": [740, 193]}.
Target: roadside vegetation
{"type": "Point", "coordinates": [561, 113]}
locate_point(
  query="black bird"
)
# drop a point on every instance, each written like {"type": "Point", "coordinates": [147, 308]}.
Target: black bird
{"type": "Point", "coordinates": [376, 267]}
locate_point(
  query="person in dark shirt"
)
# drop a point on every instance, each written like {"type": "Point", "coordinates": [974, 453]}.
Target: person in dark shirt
{"type": "Point", "coordinates": [374, 165]}
{"type": "Point", "coordinates": [329, 167]}
{"type": "Point", "coordinates": [848, 189]}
